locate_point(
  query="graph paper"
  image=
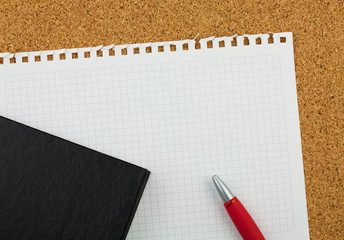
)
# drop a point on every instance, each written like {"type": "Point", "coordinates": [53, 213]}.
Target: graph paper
{"type": "Point", "coordinates": [183, 114]}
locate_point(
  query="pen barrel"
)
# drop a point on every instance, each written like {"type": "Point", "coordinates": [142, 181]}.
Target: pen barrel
{"type": "Point", "coordinates": [242, 220]}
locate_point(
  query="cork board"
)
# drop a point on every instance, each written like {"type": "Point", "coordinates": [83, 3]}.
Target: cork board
{"type": "Point", "coordinates": [318, 28]}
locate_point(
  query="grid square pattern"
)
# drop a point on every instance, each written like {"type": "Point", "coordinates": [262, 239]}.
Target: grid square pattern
{"type": "Point", "coordinates": [184, 121]}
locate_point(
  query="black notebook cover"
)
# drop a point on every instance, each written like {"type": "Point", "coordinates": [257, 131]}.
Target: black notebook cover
{"type": "Point", "coordinates": [51, 188]}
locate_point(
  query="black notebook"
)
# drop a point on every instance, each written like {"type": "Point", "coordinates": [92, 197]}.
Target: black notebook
{"type": "Point", "coordinates": [55, 189]}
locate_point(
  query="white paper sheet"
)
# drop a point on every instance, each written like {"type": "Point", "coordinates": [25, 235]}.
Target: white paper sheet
{"type": "Point", "coordinates": [185, 115]}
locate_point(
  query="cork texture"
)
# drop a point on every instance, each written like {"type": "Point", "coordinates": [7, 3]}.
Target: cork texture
{"type": "Point", "coordinates": [318, 28]}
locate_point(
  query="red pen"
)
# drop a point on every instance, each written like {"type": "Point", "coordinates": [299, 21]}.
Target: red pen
{"type": "Point", "coordinates": [242, 220]}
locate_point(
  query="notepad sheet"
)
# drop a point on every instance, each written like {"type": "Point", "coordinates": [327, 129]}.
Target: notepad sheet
{"type": "Point", "coordinates": [183, 114]}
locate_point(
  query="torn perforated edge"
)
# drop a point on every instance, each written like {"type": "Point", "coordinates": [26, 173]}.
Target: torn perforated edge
{"type": "Point", "coordinates": [145, 48]}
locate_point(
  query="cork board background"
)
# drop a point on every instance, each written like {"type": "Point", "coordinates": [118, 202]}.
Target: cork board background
{"type": "Point", "coordinates": [318, 28]}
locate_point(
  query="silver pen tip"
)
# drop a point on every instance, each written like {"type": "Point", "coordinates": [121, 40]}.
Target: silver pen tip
{"type": "Point", "coordinates": [222, 189]}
